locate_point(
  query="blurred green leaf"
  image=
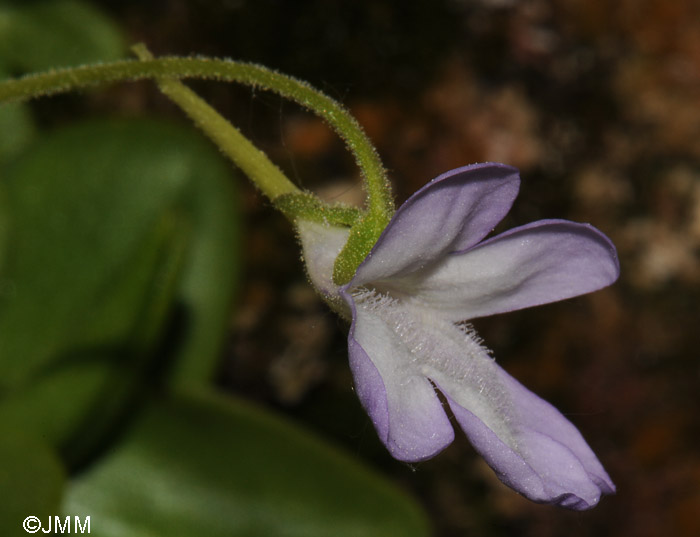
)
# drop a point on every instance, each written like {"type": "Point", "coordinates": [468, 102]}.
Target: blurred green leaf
{"type": "Point", "coordinates": [75, 402]}
{"type": "Point", "coordinates": [31, 481]}
{"type": "Point", "coordinates": [52, 405]}
{"type": "Point", "coordinates": [115, 226]}
{"type": "Point", "coordinates": [4, 231]}
{"type": "Point", "coordinates": [17, 127]}
{"type": "Point", "coordinates": [210, 275]}
{"type": "Point", "coordinates": [131, 307]}
{"type": "Point", "coordinates": [198, 464]}
{"type": "Point", "coordinates": [80, 203]}
{"type": "Point", "coordinates": [35, 36]}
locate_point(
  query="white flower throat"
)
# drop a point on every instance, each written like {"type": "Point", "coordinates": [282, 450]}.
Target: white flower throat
{"type": "Point", "coordinates": [450, 355]}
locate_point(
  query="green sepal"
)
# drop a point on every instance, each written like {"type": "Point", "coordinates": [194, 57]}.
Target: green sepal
{"type": "Point", "coordinates": [363, 236]}
{"type": "Point", "coordinates": [307, 206]}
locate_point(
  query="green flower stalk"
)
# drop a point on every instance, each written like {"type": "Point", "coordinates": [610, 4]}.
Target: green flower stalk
{"type": "Point", "coordinates": [253, 162]}
{"type": "Point", "coordinates": [366, 226]}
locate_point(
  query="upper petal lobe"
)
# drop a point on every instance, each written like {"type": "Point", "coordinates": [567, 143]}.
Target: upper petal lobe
{"type": "Point", "coordinates": [535, 264]}
{"type": "Point", "coordinates": [453, 212]}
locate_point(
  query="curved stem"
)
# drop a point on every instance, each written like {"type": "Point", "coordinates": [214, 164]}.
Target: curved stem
{"type": "Point", "coordinates": [253, 162]}
{"type": "Point", "coordinates": [379, 200]}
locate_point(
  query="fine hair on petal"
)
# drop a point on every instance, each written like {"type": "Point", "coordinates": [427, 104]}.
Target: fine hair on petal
{"type": "Point", "coordinates": [449, 355]}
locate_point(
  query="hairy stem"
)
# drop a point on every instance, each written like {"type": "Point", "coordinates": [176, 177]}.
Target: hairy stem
{"type": "Point", "coordinates": [253, 162]}
{"type": "Point", "coordinates": [379, 199]}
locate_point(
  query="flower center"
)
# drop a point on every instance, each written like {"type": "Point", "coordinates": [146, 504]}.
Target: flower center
{"type": "Point", "coordinates": [450, 355]}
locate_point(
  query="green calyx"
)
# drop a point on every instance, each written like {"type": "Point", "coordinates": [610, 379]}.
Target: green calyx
{"type": "Point", "coordinates": [363, 236]}
{"type": "Point", "coordinates": [306, 206]}
{"type": "Point", "coordinates": [364, 230]}
{"type": "Point", "coordinates": [365, 226]}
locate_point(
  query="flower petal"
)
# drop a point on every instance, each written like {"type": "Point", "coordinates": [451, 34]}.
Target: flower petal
{"type": "Point", "coordinates": [546, 459]}
{"type": "Point", "coordinates": [321, 244]}
{"type": "Point", "coordinates": [538, 263]}
{"type": "Point", "coordinates": [402, 403]}
{"type": "Point", "coordinates": [452, 212]}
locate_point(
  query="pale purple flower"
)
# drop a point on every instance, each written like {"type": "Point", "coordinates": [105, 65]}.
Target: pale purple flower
{"type": "Point", "coordinates": [429, 272]}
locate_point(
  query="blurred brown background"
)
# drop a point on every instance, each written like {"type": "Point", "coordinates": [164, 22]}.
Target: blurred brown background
{"type": "Point", "coordinates": [597, 103]}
